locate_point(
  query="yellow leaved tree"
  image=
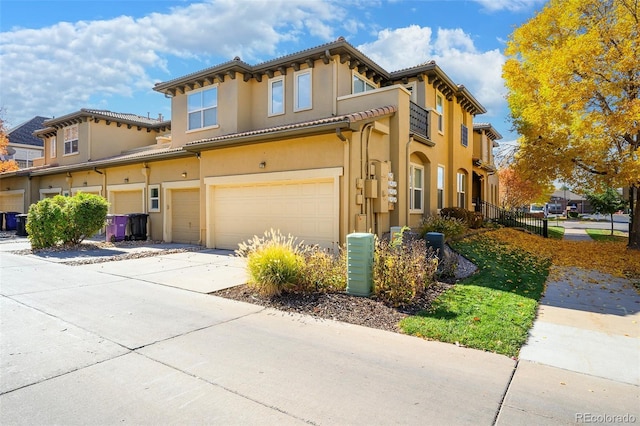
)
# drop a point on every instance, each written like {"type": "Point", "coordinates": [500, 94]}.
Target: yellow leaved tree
{"type": "Point", "coordinates": [5, 165]}
{"type": "Point", "coordinates": [573, 80]}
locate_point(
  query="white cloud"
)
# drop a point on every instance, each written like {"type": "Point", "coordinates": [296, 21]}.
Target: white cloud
{"type": "Point", "coordinates": [510, 5]}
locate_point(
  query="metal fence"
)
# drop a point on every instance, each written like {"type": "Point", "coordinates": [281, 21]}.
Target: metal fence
{"type": "Point", "coordinates": [534, 223]}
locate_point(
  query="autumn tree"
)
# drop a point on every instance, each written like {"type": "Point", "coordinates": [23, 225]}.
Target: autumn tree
{"type": "Point", "coordinates": [573, 80]}
{"type": "Point", "coordinates": [517, 191]}
{"type": "Point", "coordinates": [606, 202]}
{"type": "Point", "coordinates": [5, 165]}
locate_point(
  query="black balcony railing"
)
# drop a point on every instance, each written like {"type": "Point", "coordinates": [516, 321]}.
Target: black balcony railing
{"type": "Point", "coordinates": [419, 120]}
{"type": "Point", "coordinates": [534, 223]}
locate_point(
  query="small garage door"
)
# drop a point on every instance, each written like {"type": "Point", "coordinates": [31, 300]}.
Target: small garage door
{"type": "Point", "coordinates": [304, 209]}
{"type": "Point", "coordinates": [185, 215]}
{"type": "Point", "coordinates": [12, 203]}
{"type": "Point", "coordinates": [125, 202]}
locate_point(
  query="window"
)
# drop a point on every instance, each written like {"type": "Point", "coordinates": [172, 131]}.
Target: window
{"type": "Point", "coordinates": [440, 112]}
{"type": "Point", "coordinates": [71, 140]}
{"type": "Point", "coordinates": [202, 108]}
{"type": "Point", "coordinates": [462, 189]}
{"type": "Point", "coordinates": [411, 87]}
{"type": "Point", "coordinates": [276, 95]}
{"type": "Point", "coordinates": [52, 146]}
{"type": "Point", "coordinates": [302, 90]}
{"type": "Point", "coordinates": [416, 188]}
{"type": "Point", "coordinates": [464, 135]}
{"type": "Point", "coordinates": [361, 85]}
{"type": "Point", "coordinates": [440, 185]}
{"type": "Point", "coordinates": [154, 198]}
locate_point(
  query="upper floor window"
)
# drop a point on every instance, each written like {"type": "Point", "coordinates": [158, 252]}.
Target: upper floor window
{"type": "Point", "coordinates": [416, 188]}
{"type": "Point", "coordinates": [71, 140]}
{"type": "Point", "coordinates": [53, 146]}
{"type": "Point", "coordinates": [202, 108]}
{"type": "Point", "coordinates": [440, 187]}
{"type": "Point", "coordinates": [464, 135]}
{"type": "Point", "coordinates": [462, 190]}
{"type": "Point", "coordinates": [302, 90]}
{"type": "Point", "coordinates": [361, 85]}
{"type": "Point", "coordinates": [440, 112]}
{"type": "Point", "coordinates": [276, 95]}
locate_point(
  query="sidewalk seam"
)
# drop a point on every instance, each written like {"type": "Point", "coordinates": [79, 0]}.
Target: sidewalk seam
{"type": "Point", "coordinates": [504, 394]}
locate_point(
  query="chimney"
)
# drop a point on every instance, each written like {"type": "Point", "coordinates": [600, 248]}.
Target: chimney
{"type": "Point", "coordinates": [160, 116]}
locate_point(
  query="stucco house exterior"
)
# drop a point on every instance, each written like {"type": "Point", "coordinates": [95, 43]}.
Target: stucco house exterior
{"type": "Point", "coordinates": [318, 144]}
{"type": "Point", "coordinates": [23, 145]}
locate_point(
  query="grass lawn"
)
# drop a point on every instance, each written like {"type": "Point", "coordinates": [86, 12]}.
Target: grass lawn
{"type": "Point", "coordinates": [556, 232]}
{"type": "Point", "coordinates": [492, 310]}
{"type": "Point", "coordinates": [605, 235]}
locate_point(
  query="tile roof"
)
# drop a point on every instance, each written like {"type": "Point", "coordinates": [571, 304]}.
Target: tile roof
{"type": "Point", "coordinates": [126, 118]}
{"type": "Point", "coordinates": [23, 133]}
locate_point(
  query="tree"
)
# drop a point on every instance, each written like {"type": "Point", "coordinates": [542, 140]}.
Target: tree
{"type": "Point", "coordinates": [517, 191]}
{"type": "Point", "coordinates": [573, 80]}
{"type": "Point", "coordinates": [606, 202]}
{"type": "Point", "coordinates": [5, 165]}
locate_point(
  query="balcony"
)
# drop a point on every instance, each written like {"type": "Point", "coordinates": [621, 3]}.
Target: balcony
{"type": "Point", "coordinates": [419, 121]}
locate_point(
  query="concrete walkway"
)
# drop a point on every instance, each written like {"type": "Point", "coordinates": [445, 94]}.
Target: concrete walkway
{"type": "Point", "coordinates": [576, 234]}
{"type": "Point", "coordinates": [139, 342]}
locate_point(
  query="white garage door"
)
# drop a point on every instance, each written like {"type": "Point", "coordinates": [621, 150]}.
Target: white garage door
{"type": "Point", "coordinates": [304, 209]}
{"type": "Point", "coordinates": [12, 203]}
{"type": "Point", "coordinates": [125, 202]}
{"type": "Point", "coordinates": [185, 215]}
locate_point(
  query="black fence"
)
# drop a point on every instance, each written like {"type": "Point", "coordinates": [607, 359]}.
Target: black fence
{"type": "Point", "coordinates": [534, 223]}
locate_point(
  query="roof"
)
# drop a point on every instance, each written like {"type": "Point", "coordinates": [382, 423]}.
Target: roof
{"type": "Point", "coordinates": [23, 133]}
{"type": "Point", "coordinates": [347, 54]}
{"type": "Point", "coordinates": [491, 132]}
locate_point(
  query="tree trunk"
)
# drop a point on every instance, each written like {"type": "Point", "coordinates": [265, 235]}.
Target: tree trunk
{"type": "Point", "coordinates": [612, 224]}
{"type": "Point", "coordinates": [634, 227]}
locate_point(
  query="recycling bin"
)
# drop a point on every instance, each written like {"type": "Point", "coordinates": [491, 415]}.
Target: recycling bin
{"type": "Point", "coordinates": [21, 225]}
{"type": "Point", "coordinates": [138, 226]}
{"type": "Point", "coordinates": [116, 229]}
{"type": "Point", "coordinates": [10, 221]}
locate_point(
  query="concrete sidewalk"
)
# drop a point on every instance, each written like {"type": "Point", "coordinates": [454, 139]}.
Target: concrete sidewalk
{"type": "Point", "coordinates": [137, 341]}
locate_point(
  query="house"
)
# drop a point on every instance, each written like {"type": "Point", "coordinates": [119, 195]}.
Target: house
{"type": "Point", "coordinates": [318, 144]}
{"type": "Point", "coordinates": [23, 146]}
{"type": "Point", "coordinates": [485, 178]}
{"type": "Point", "coordinates": [563, 200]}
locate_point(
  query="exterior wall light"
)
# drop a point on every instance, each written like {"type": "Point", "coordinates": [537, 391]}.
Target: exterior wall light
{"type": "Point", "coordinates": [126, 180]}
{"type": "Point", "coordinates": [184, 174]}
{"type": "Point", "coordinates": [263, 165]}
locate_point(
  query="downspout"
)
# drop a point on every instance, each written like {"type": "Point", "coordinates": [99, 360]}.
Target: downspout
{"type": "Point", "coordinates": [145, 198]}
{"type": "Point", "coordinates": [346, 155]}
{"type": "Point", "coordinates": [408, 191]}
{"type": "Point", "coordinates": [364, 172]}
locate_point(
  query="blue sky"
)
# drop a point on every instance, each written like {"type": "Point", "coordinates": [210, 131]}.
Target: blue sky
{"type": "Point", "coordinates": [59, 56]}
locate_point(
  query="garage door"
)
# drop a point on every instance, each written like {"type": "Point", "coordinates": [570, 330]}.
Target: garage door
{"type": "Point", "coordinates": [12, 203]}
{"type": "Point", "coordinates": [185, 215]}
{"type": "Point", "coordinates": [125, 202]}
{"type": "Point", "coordinates": [304, 209]}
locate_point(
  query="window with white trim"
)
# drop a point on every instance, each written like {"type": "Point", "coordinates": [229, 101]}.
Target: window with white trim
{"type": "Point", "coordinates": [154, 198]}
{"type": "Point", "coordinates": [276, 95]}
{"type": "Point", "coordinates": [462, 190]}
{"type": "Point", "coordinates": [53, 146]}
{"type": "Point", "coordinates": [202, 108]}
{"type": "Point", "coordinates": [302, 90]}
{"type": "Point", "coordinates": [416, 188]}
{"type": "Point", "coordinates": [361, 85]}
{"type": "Point", "coordinates": [71, 140]}
{"type": "Point", "coordinates": [440, 112]}
{"type": "Point", "coordinates": [440, 187]}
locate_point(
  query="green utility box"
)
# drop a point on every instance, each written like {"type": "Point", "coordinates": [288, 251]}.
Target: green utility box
{"type": "Point", "coordinates": [360, 264]}
{"type": "Point", "coordinates": [435, 240]}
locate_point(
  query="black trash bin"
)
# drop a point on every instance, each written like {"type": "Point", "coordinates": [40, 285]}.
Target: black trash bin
{"type": "Point", "coordinates": [1, 221]}
{"type": "Point", "coordinates": [10, 221]}
{"type": "Point", "coordinates": [138, 226]}
{"type": "Point", "coordinates": [21, 225]}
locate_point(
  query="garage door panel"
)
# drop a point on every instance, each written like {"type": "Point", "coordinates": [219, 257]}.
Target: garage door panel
{"type": "Point", "coordinates": [126, 202]}
{"type": "Point", "coordinates": [304, 209]}
{"type": "Point", "coordinates": [185, 215]}
{"type": "Point", "coordinates": [12, 203]}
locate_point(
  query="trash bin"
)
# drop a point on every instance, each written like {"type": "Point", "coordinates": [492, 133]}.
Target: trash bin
{"type": "Point", "coordinates": [10, 221]}
{"type": "Point", "coordinates": [138, 226]}
{"type": "Point", "coordinates": [435, 240]}
{"type": "Point", "coordinates": [21, 225]}
{"type": "Point", "coordinates": [1, 221]}
{"type": "Point", "coordinates": [116, 229]}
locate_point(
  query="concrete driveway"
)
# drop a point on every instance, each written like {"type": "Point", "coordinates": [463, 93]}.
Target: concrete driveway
{"type": "Point", "coordinates": [140, 342]}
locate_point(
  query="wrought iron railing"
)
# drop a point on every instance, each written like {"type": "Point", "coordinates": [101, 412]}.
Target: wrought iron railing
{"type": "Point", "coordinates": [533, 223]}
{"type": "Point", "coordinates": [419, 120]}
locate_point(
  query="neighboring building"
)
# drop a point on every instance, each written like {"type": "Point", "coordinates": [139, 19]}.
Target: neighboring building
{"type": "Point", "coordinates": [562, 201]}
{"type": "Point", "coordinates": [23, 146]}
{"type": "Point", "coordinates": [319, 144]}
{"type": "Point", "coordinates": [486, 186]}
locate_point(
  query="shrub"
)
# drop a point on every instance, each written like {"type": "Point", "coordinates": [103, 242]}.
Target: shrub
{"type": "Point", "coordinates": [274, 262]}
{"type": "Point", "coordinates": [450, 227]}
{"type": "Point", "coordinates": [45, 219]}
{"type": "Point", "coordinates": [402, 272]}
{"type": "Point", "coordinates": [324, 271]}
{"type": "Point", "coordinates": [84, 214]}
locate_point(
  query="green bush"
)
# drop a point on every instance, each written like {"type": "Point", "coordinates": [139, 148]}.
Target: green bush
{"type": "Point", "coordinates": [66, 220]}
{"type": "Point", "coordinates": [449, 226]}
{"type": "Point", "coordinates": [45, 220]}
{"type": "Point", "coordinates": [402, 272]}
{"type": "Point", "coordinates": [323, 271]}
{"type": "Point", "coordinates": [85, 214]}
